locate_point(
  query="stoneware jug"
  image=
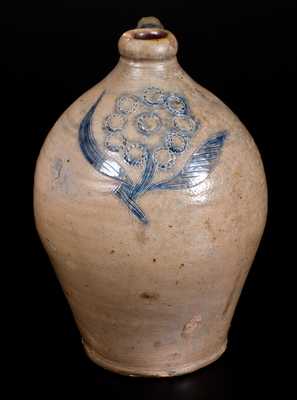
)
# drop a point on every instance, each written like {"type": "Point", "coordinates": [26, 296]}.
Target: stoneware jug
{"type": "Point", "coordinates": [150, 200]}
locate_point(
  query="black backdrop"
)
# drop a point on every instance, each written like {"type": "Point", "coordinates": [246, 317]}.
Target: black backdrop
{"type": "Point", "coordinates": [244, 53]}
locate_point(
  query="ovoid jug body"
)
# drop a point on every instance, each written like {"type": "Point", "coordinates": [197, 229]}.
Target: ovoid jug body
{"type": "Point", "coordinates": [150, 200]}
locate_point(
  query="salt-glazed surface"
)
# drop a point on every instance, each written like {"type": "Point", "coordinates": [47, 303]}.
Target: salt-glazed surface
{"type": "Point", "coordinates": [150, 200]}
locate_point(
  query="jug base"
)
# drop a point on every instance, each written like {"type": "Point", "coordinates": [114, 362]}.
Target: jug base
{"type": "Point", "coordinates": [147, 372]}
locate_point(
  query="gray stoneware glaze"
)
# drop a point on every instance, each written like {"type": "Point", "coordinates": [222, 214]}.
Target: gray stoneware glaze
{"type": "Point", "coordinates": [150, 200]}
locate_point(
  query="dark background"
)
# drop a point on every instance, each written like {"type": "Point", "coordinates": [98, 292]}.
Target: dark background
{"type": "Point", "coordinates": [244, 52]}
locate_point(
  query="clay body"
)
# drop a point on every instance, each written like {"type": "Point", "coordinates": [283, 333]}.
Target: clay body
{"type": "Point", "coordinates": [150, 200]}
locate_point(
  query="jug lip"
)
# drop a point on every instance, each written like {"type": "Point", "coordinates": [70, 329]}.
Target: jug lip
{"type": "Point", "coordinates": [148, 42]}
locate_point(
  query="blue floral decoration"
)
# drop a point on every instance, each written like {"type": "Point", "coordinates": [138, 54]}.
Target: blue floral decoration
{"type": "Point", "coordinates": [163, 129]}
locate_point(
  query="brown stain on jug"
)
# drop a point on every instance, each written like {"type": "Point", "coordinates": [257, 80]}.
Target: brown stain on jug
{"type": "Point", "coordinates": [149, 295]}
{"type": "Point", "coordinates": [210, 229]}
